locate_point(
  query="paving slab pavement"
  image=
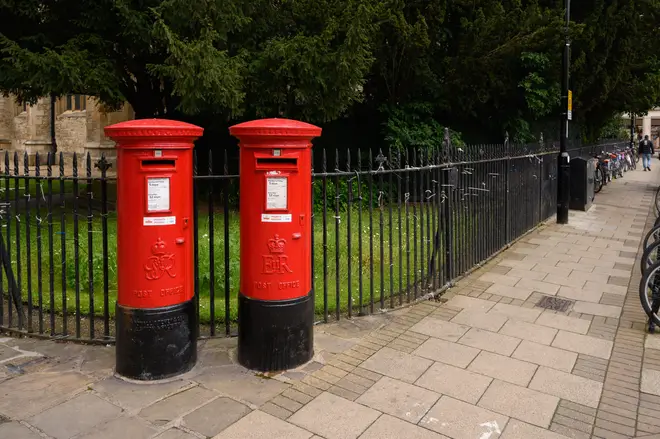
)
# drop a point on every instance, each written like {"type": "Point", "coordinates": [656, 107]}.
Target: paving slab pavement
{"type": "Point", "coordinates": [484, 361]}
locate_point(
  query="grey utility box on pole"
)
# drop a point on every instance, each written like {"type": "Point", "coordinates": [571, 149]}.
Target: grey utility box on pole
{"type": "Point", "coordinates": [583, 172]}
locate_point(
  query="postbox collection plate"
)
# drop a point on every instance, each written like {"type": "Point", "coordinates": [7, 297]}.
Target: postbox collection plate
{"type": "Point", "coordinates": [158, 194]}
{"type": "Point", "coordinates": [277, 193]}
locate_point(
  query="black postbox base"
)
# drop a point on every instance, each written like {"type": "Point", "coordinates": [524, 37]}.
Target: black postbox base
{"type": "Point", "coordinates": [157, 343]}
{"type": "Point", "coordinates": [275, 335]}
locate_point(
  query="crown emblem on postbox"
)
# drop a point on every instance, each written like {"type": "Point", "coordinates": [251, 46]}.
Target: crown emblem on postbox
{"type": "Point", "coordinates": [158, 248]}
{"type": "Point", "coordinates": [276, 244]}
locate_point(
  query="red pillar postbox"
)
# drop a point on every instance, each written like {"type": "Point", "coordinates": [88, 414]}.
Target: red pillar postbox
{"type": "Point", "coordinates": [156, 323]}
{"type": "Point", "coordinates": [275, 303]}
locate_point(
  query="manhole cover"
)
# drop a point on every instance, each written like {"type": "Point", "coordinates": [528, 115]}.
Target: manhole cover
{"type": "Point", "coordinates": [554, 303]}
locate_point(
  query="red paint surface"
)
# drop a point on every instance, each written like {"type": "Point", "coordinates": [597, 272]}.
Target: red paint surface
{"type": "Point", "coordinates": [275, 256]}
{"type": "Point", "coordinates": [155, 263]}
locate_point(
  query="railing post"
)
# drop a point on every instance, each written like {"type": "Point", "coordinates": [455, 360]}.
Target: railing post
{"type": "Point", "coordinates": [507, 217]}
{"type": "Point", "coordinates": [449, 223]}
{"type": "Point", "coordinates": [195, 203]}
{"type": "Point", "coordinates": [103, 165]}
{"type": "Point", "coordinates": [540, 181]}
{"type": "Point", "coordinates": [14, 290]}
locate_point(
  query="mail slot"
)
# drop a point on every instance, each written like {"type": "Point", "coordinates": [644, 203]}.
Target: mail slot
{"type": "Point", "coordinates": [275, 304]}
{"type": "Point", "coordinates": [288, 162]}
{"type": "Point", "coordinates": [156, 322]}
{"type": "Point", "coordinates": [158, 163]}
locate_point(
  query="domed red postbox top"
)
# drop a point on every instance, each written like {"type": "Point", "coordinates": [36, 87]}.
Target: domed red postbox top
{"type": "Point", "coordinates": [153, 128]}
{"type": "Point", "coordinates": [286, 128]}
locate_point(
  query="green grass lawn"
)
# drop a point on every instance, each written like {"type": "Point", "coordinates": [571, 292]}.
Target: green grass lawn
{"type": "Point", "coordinates": [70, 271]}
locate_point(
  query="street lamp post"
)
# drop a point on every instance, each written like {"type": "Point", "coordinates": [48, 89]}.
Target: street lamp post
{"type": "Point", "coordinates": [563, 190]}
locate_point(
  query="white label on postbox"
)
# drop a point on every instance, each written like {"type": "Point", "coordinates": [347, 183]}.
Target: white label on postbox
{"type": "Point", "coordinates": [276, 193]}
{"type": "Point", "coordinates": [275, 218]}
{"type": "Point", "coordinates": [158, 194]}
{"type": "Point", "coordinates": [159, 221]}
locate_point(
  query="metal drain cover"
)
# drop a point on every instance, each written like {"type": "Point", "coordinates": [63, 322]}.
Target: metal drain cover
{"type": "Point", "coordinates": [555, 303]}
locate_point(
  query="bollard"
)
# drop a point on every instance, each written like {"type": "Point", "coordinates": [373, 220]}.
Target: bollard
{"type": "Point", "coordinates": [156, 323]}
{"type": "Point", "coordinates": [275, 302]}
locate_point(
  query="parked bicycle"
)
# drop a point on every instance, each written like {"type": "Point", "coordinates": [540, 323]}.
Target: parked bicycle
{"type": "Point", "coordinates": [631, 157]}
{"type": "Point", "coordinates": [604, 161]}
{"type": "Point", "coordinates": [623, 159]}
{"type": "Point", "coordinates": [649, 287]}
{"type": "Point", "coordinates": [616, 165]}
{"type": "Point", "coordinates": [599, 175]}
{"type": "Point", "coordinates": [612, 165]}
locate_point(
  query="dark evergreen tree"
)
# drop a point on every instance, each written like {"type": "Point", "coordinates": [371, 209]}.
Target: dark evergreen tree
{"type": "Point", "coordinates": [481, 67]}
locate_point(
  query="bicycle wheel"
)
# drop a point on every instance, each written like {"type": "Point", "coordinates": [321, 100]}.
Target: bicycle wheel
{"type": "Point", "coordinates": [650, 256]}
{"type": "Point", "coordinates": [657, 201]}
{"type": "Point", "coordinates": [598, 179]}
{"type": "Point", "coordinates": [649, 292]}
{"type": "Point", "coordinates": [652, 236]}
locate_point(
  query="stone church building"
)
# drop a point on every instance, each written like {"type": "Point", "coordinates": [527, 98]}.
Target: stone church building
{"type": "Point", "coordinates": [76, 121]}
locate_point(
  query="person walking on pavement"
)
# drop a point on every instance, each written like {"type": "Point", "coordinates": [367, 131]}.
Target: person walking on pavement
{"type": "Point", "coordinates": [646, 151]}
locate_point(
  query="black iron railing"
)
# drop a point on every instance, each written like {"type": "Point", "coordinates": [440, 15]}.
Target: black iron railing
{"type": "Point", "coordinates": [388, 229]}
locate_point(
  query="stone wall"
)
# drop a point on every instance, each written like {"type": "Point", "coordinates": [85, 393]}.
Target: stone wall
{"type": "Point", "coordinates": [6, 121]}
{"type": "Point", "coordinates": [39, 120]}
{"type": "Point", "coordinates": [20, 131]}
{"type": "Point", "coordinates": [71, 131]}
{"type": "Point", "coordinates": [75, 131]}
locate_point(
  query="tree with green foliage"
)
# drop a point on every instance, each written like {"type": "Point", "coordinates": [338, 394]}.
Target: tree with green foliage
{"type": "Point", "coordinates": [224, 57]}
{"type": "Point", "coordinates": [482, 67]}
{"type": "Point", "coordinates": [615, 60]}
